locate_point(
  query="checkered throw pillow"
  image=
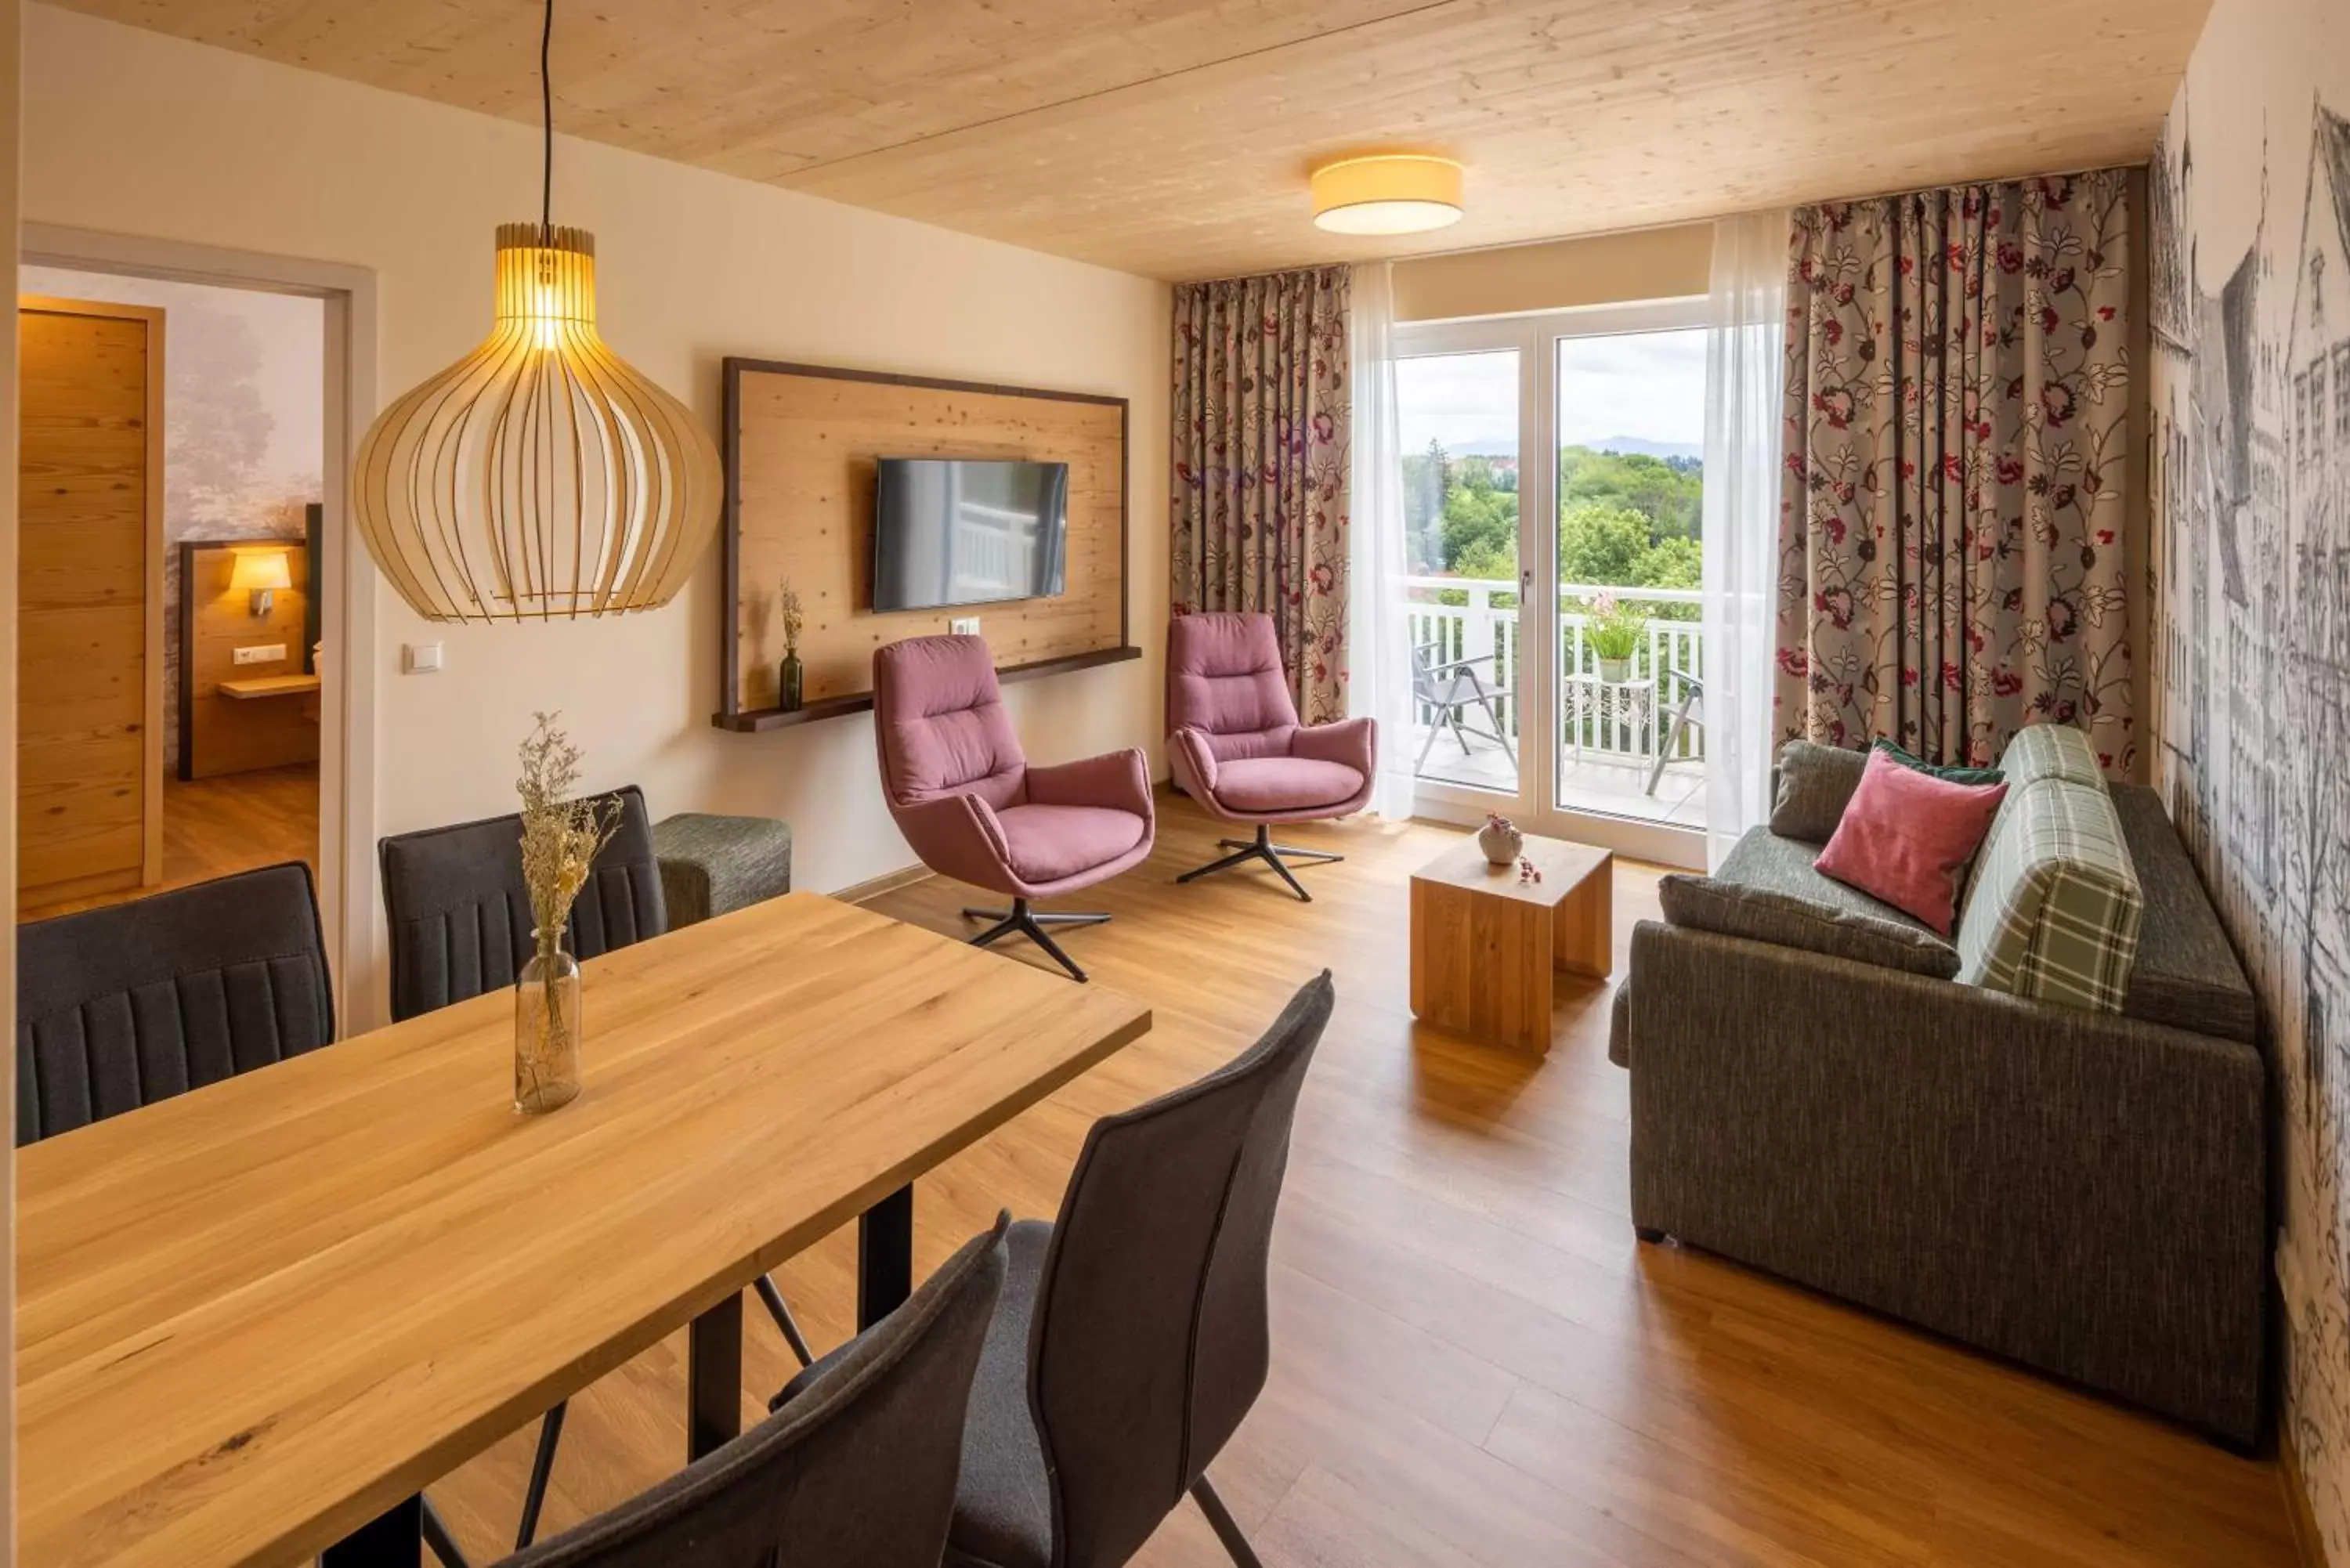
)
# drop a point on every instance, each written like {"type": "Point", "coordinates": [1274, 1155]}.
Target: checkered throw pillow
{"type": "Point", "coordinates": [2054, 911]}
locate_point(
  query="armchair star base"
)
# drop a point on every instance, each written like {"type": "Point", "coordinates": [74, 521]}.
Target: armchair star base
{"type": "Point", "coordinates": [1262, 847]}
{"type": "Point", "coordinates": [1031, 924]}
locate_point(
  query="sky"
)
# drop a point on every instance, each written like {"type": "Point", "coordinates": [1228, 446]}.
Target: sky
{"type": "Point", "coordinates": [1651, 385]}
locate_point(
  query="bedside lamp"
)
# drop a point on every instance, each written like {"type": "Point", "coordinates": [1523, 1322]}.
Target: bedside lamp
{"type": "Point", "coordinates": [260, 573]}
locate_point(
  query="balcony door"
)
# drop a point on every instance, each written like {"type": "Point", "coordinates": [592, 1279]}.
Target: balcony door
{"type": "Point", "coordinates": [1553, 476]}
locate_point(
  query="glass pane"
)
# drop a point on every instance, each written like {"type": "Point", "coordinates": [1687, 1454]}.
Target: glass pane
{"type": "Point", "coordinates": [1631, 449]}
{"type": "Point", "coordinates": [1457, 415]}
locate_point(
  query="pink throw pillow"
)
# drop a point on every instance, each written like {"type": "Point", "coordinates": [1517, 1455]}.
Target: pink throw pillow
{"type": "Point", "coordinates": [1906, 835]}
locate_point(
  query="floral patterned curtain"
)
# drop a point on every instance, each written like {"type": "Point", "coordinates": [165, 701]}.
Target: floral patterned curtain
{"type": "Point", "coordinates": [1261, 432]}
{"type": "Point", "coordinates": [1956, 435]}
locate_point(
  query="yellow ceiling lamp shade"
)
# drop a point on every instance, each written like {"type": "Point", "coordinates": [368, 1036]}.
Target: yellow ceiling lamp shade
{"type": "Point", "coordinates": [541, 476]}
{"type": "Point", "coordinates": [1386, 194]}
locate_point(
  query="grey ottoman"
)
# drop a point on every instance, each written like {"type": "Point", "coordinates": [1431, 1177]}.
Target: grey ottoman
{"type": "Point", "coordinates": [713, 865]}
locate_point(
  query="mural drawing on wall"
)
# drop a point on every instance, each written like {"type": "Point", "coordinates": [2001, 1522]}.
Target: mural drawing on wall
{"type": "Point", "coordinates": [2249, 280]}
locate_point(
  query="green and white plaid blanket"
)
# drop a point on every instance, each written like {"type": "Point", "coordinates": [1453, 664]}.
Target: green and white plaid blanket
{"type": "Point", "coordinates": [2053, 910]}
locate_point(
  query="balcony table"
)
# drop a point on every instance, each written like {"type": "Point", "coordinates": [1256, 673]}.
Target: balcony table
{"type": "Point", "coordinates": [1608, 706]}
{"type": "Point", "coordinates": [255, 1320]}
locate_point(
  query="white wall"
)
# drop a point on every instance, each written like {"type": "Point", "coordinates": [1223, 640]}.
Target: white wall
{"type": "Point", "coordinates": [131, 132]}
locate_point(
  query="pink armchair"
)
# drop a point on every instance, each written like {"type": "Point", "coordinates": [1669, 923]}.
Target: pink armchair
{"type": "Point", "coordinates": [1236, 746]}
{"type": "Point", "coordinates": [974, 809]}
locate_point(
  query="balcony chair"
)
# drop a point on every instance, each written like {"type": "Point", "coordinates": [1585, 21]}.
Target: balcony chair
{"type": "Point", "coordinates": [1690, 711]}
{"type": "Point", "coordinates": [862, 1473]}
{"type": "Point", "coordinates": [974, 809]}
{"type": "Point", "coordinates": [1236, 746]}
{"type": "Point", "coordinates": [1131, 1336]}
{"type": "Point", "coordinates": [1451, 688]}
{"type": "Point", "coordinates": [461, 925]}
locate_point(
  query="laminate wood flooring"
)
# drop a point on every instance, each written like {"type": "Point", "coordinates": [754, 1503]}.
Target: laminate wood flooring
{"type": "Point", "coordinates": [229, 823]}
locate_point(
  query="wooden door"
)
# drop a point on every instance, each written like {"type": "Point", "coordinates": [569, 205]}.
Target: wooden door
{"type": "Point", "coordinates": [90, 596]}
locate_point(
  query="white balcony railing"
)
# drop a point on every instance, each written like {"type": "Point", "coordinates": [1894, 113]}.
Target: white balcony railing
{"type": "Point", "coordinates": [1485, 621]}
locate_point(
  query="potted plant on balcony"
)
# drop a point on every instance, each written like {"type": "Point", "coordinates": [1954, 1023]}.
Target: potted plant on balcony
{"type": "Point", "coordinates": [1613, 633]}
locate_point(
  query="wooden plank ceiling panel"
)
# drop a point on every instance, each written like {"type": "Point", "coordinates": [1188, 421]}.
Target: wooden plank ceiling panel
{"type": "Point", "coordinates": [1172, 138]}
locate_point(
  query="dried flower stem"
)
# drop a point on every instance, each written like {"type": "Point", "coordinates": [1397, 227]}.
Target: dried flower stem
{"type": "Point", "coordinates": [560, 839]}
{"type": "Point", "coordinates": [795, 617]}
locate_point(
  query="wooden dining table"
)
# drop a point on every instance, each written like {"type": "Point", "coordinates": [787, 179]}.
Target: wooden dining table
{"type": "Point", "coordinates": [255, 1320]}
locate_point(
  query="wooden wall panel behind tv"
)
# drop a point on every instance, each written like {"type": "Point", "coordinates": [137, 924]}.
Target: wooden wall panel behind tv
{"type": "Point", "coordinates": [802, 444]}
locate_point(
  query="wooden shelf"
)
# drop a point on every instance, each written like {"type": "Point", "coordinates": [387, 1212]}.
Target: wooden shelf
{"type": "Point", "coordinates": [268, 686]}
{"type": "Point", "coordinates": [753, 720]}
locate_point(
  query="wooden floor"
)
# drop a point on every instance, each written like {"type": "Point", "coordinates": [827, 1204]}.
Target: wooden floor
{"type": "Point", "coordinates": [1473, 1360]}
{"type": "Point", "coordinates": [214, 827]}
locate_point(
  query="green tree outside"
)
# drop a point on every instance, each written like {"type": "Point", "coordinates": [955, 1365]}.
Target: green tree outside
{"type": "Point", "coordinates": [1625, 520]}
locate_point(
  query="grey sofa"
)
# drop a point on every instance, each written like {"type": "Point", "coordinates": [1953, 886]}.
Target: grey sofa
{"type": "Point", "coordinates": [2082, 1191]}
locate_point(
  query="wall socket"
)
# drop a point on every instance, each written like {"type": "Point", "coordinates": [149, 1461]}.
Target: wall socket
{"type": "Point", "coordinates": [260, 653]}
{"type": "Point", "coordinates": [963, 626]}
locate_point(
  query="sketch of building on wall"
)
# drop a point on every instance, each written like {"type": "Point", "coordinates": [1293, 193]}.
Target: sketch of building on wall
{"type": "Point", "coordinates": [2251, 465]}
{"type": "Point", "coordinates": [2316, 430]}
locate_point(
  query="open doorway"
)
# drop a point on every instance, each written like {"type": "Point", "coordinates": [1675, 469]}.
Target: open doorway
{"type": "Point", "coordinates": [219, 706]}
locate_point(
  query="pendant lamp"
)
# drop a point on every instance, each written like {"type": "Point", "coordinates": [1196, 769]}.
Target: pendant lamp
{"type": "Point", "coordinates": [540, 476]}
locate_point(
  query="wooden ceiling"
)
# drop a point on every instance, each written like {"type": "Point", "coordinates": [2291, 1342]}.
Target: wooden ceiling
{"type": "Point", "coordinates": [1172, 138]}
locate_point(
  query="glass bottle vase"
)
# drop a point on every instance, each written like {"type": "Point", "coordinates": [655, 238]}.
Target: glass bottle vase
{"type": "Point", "coordinates": [546, 1032]}
{"type": "Point", "coordinates": [787, 684]}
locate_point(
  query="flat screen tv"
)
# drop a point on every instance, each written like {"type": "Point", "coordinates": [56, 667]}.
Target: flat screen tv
{"type": "Point", "coordinates": [953, 532]}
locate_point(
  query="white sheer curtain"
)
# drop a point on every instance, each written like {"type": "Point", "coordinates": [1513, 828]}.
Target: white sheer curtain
{"type": "Point", "coordinates": [1379, 662]}
{"type": "Point", "coordinates": [1744, 358]}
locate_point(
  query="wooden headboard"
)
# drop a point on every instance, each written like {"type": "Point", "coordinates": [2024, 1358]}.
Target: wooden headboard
{"type": "Point", "coordinates": [801, 446]}
{"type": "Point", "coordinates": [269, 717]}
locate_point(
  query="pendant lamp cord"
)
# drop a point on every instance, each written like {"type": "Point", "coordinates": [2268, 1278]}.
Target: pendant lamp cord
{"type": "Point", "coordinates": [547, 120]}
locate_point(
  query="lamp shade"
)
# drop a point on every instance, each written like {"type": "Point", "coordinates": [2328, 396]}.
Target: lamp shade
{"type": "Point", "coordinates": [1386, 194]}
{"type": "Point", "coordinates": [540, 476]}
{"type": "Point", "coordinates": [259, 569]}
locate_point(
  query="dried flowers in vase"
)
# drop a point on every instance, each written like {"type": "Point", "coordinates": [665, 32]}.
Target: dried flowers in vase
{"type": "Point", "coordinates": [560, 838]}
{"type": "Point", "coordinates": [793, 615]}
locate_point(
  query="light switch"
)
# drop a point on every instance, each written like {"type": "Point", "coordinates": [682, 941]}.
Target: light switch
{"type": "Point", "coordinates": [420, 658]}
{"type": "Point", "coordinates": [259, 653]}
{"type": "Point", "coordinates": [964, 626]}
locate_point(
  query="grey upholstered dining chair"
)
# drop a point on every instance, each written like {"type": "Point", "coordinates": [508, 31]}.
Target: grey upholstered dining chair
{"type": "Point", "coordinates": [124, 1006]}
{"type": "Point", "coordinates": [119, 1007]}
{"type": "Point", "coordinates": [460, 926]}
{"type": "Point", "coordinates": [862, 1471]}
{"type": "Point", "coordinates": [1131, 1337]}
{"type": "Point", "coordinates": [460, 911]}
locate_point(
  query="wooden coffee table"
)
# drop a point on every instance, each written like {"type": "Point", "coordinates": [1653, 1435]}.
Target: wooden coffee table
{"type": "Point", "coordinates": [1485, 946]}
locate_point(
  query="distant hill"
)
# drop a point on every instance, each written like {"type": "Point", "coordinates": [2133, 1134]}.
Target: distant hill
{"type": "Point", "coordinates": [1629, 446]}
{"type": "Point", "coordinates": [1639, 446]}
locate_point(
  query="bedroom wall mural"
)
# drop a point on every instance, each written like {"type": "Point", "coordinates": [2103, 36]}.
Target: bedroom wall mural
{"type": "Point", "coordinates": [2249, 229]}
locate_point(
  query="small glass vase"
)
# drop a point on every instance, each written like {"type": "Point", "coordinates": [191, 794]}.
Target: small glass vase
{"type": "Point", "coordinates": [546, 1032]}
{"type": "Point", "coordinates": [787, 684]}
{"type": "Point", "coordinates": [1616, 671]}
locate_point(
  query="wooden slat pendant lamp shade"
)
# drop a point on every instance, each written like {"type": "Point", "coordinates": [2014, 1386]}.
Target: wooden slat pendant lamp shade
{"type": "Point", "coordinates": [541, 476]}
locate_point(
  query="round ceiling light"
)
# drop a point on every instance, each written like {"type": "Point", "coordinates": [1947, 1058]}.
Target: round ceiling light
{"type": "Point", "coordinates": [1386, 194]}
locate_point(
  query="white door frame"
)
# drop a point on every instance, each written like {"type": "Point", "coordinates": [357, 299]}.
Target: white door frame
{"type": "Point", "coordinates": [346, 775]}
{"type": "Point", "coordinates": [1536, 337]}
